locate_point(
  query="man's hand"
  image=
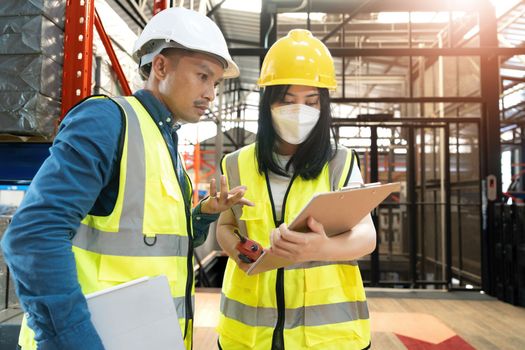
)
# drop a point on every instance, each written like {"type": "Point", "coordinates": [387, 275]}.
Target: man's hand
{"type": "Point", "coordinates": [219, 202]}
{"type": "Point", "coordinates": [299, 246]}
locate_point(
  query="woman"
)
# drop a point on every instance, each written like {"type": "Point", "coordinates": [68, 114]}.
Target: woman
{"type": "Point", "coordinates": [319, 302]}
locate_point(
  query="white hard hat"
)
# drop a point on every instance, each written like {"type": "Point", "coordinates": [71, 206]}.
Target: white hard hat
{"type": "Point", "coordinates": [182, 28]}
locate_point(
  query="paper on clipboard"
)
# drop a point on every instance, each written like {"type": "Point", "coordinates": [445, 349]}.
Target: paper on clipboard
{"type": "Point", "coordinates": [136, 315]}
{"type": "Point", "coordinates": [338, 211]}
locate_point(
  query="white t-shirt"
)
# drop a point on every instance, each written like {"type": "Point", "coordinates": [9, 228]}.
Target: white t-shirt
{"type": "Point", "coordinates": [279, 183]}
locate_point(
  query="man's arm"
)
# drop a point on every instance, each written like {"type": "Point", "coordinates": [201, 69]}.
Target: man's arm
{"type": "Point", "coordinates": [208, 210]}
{"type": "Point", "coordinates": [37, 244]}
{"type": "Point", "coordinates": [201, 225]}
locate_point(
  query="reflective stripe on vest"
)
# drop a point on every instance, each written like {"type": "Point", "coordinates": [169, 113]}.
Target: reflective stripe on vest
{"type": "Point", "coordinates": [132, 214]}
{"type": "Point", "coordinates": [324, 314]}
{"type": "Point", "coordinates": [129, 243]}
{"type": "Point", "coordinates": [310, 264]}
{"type": "Point", "coordinates": [180, 305]}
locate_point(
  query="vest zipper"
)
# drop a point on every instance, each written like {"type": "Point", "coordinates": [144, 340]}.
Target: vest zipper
{"type": "Point", "coordinates": [174, 155]}
{"type": "Point", "coordinates": [189, 280]}
{"type": "Point", "coordinates": [278, 332]}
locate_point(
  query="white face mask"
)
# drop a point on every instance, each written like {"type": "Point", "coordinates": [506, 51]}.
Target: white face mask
{"type": "Point", "coordinates": [294, 123]}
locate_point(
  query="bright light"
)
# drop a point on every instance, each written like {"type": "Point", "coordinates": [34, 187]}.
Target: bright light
{"type": "Point", "coordinates": [198, 132]}
{"type": "Point", "coordinates": [385, 17]}
{"type": "Point", "coordinates": [473, 31]}
{"type": "Point", "coordinates": [314, 16]}
{"type": "Point", "coordinates": [503, 6]}
{"type": "Point", "coordinates": [416, 17]}
{"type": "Point", "coordinates": [243, 5]}
{"type": "Point", "coordinates": [513, 98]}
{"type": "Point", "coordinates": [506, 170]}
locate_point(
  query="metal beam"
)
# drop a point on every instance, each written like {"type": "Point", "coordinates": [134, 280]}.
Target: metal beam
{"type": "Point", "coordinates": [140, 23]}
{"type": "Point", "coordinates": [407, 99]}
{"type": "Point", "coordinates": [411, 205]}
{"type": "Point", "coordinates": [373, 27]}
{"type": "Point", "coordinates": [215, 8]}
{"type": "Point", "coordinates": [374, 177]}
{"type": "Point", "coordinates": [268, 28]}
{"type": "Point", "coordinates": [349, 52]}
{"type": "Point", "coordinates": [490, 134]}
{"type": "Point", "coordinates": [137, 11]}
{"type": "Point", "coordinates": [375, 79]}
{"type": "Point", "coordinates": [426, 122]}
{"type": "Point", "coordinates": [242, 42]}
{"type": "Point", "coordinates": [512, 66]}
{"type": "Point", "coordinates": [517, 79]}
{"type": "Point", "coordinates": [346, 20]}
{"type": "Point", "coordinates": [345, 6]}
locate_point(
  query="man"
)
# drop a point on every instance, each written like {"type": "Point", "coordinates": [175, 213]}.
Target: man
{"type": "Point", "coordinates": [113, 202]}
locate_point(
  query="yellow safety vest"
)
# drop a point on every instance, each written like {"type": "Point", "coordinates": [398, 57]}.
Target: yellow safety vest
{"type": "Point", "coordinates": [149, 231]}
{"type": "Point", "coordinates": [313, 305]}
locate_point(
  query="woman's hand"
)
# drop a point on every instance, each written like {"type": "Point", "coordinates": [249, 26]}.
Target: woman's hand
{"type": "Point", "coordinates": [242, 265]}
{"type": "Point", "coordinates": [298, 246]}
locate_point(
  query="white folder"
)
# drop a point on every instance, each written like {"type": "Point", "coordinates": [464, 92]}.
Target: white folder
{"type": "Point", "coordinates": [136, 315]}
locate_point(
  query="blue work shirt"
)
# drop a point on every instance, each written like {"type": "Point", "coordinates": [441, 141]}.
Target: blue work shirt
{"type": "Point", "coordinates": [79, 177]}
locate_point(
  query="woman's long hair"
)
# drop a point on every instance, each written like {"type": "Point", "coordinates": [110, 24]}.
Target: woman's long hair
{"type": "Point", "coordinates": [311, 155]}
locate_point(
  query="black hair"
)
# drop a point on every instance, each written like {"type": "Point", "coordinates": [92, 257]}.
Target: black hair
{"type": "Point", "coordinates": [145, 70]}
{"type": "Point", "coordinates": [311, 155]}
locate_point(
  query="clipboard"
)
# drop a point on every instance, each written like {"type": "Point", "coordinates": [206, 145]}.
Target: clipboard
{"type": "Point", "coordinates": [338, 211]}
{"type": "Point", "coordinates": [136, 315]}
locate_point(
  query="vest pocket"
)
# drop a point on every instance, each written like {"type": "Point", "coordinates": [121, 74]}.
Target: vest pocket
{"type": "Point", "coordinates": [323, 277]}
{"type": "Point", "coordinates": [239, 312]}
{"type": "Point", "coordinates": [233, 333]}
{"type": "Point", "coordinates": [164, 211]}
{"type": "Point", "coordinates": [330, 307]}
{"type": "Point", "coordinates": [329, 322]}
{"type": "Point", "coordinates": [340, 336]}
{"type": "Point", "coordinates": [171, 189]}
{"type": "Point", "coordinates": [239, 286]}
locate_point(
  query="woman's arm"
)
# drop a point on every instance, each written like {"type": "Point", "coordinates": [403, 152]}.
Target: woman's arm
{"type": "Point", "coordinates": [226, 238]}
{"type": "Point", "coordinates": [317, 246]}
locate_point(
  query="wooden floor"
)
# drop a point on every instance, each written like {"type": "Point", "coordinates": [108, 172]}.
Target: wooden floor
{"type": "Point", "coordinates": [411, 320]}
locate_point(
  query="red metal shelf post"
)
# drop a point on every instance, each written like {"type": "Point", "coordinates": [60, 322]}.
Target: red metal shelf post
{"type": "Point", "coordinates": [78, 52]}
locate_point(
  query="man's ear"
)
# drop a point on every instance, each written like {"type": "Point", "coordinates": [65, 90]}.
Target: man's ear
{"type": "Point", "coordinates": [159, 67]}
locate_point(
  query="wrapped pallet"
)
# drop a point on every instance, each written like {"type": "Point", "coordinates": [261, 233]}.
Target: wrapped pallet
{"type": "Point", "coordinates": [31, 59]}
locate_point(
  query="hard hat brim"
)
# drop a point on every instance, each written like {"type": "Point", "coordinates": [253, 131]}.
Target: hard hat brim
{"type": "Point", "coordinates": [296, 81]}
{"type": "Point", "coordinates": [232, 70]}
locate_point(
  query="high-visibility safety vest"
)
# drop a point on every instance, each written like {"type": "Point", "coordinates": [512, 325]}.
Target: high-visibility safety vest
{"type": "Point", "coordinates": [149, 231]}
{"type": "Point", "coordinates": [313, 305]}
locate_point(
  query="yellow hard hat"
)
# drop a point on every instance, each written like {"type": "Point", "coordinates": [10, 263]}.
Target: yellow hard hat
{"type": "Point", "coordinates": [298, 59]}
